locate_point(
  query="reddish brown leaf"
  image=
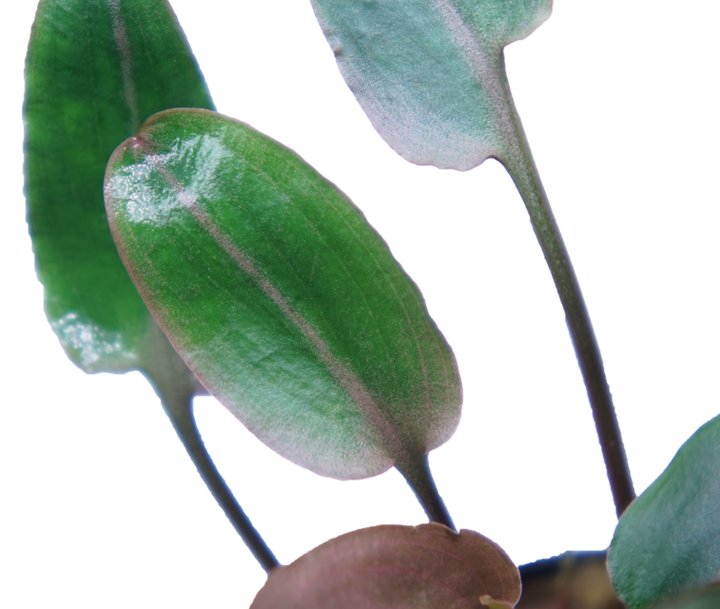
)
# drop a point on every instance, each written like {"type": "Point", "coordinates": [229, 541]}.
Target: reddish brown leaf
{"type": "Point", "coordinates": [392, 566]}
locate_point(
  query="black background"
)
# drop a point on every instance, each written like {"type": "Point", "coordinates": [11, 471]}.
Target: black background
{"type": "Point", "coordinates": [616, 131]}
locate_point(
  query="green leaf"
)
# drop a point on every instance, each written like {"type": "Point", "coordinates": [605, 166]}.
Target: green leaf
{"type": "Point", "coordinates": [280, 297]}
{"type": "Point", "coordinates": [391, 566]}
{"type": "Point", "coordinates": [704, 599]}
{"type": "Point", "coordinates": [96, 69]}
{"type": "Point", "coordinates": [668, 540]}
{"type": "Point", "coordinates": [429, 73]}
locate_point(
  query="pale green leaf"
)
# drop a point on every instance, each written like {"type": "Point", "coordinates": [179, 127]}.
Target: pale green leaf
{"type": "Point", "coordinates": [429, 73]}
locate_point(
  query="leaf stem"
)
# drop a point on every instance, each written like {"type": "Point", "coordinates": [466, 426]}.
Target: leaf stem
{"type": "Point", "coordinates": [176, 388]}
{"type": "Point", "coordinates": [181, 416]}
{"type": "Point", "coordinates": [419, 477]}
{"type": "Point", "coordinates": [520, 165]}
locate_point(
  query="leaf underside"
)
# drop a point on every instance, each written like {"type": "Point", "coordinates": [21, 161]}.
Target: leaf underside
{"type": "Point", "coordinates": [429, 74]}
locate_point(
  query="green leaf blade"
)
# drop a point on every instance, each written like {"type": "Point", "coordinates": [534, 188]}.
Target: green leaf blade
{"type": "Point", "coordinates": [668, 541]}
{"type": "Point", "coordinates": [95, 70]}
{"type": "Point", "coordinates": [708, 598]}
{"type": "Point", "coordinates": [280, 297]}
{"type": "Point", "coordinates": [393, 567]}
{"type": "Point", "coordinates": [429, 73]}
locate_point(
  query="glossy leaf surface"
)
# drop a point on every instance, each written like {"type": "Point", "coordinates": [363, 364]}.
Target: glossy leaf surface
{"type": "Point", "coordinates": [429, 73]}
{"type": "Point", "coordinates": [388, 567]}
{"type": "Point", "coordinates": [280, 297]}
{"type": "Point", "coordinates": [96, 69]}
{"type": "Point", "coordinates": [668, 540]}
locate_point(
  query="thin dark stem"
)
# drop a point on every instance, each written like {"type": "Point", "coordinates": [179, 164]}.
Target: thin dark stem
{"type": "Point", "coordinates": [418, 476]}
{"type": "Point", "coordinates": [176, 388]}
{"type": "Point", "coordinates": [519, 162]}
{"type": "Point", "coordinates": [183, 421]}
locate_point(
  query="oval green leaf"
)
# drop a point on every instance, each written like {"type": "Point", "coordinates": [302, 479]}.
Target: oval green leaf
{"type": "Point", "coordinates": [668, 541]}
{"type": "Point", "coordinates": [280, 297]}
{"type": "Point", "coordinates": [429, 73]}
{"type": "Point", "coordinates": [95, 71]}
{"type": "Point", "coordinates": [393, 567]}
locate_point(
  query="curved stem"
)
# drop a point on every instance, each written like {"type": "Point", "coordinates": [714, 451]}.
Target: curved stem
{"type": "Point", "coordinates": [175, 387]}
{"type": "Point", "coordinates": [419, 478]}
{"type": "Point", "coordinates": [520, 165]}
{"type": "Point", "coordinates": [183, 420]}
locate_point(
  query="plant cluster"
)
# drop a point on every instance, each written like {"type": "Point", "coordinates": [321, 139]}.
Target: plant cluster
{"type": "Point", "coordinates": [220, 261]}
